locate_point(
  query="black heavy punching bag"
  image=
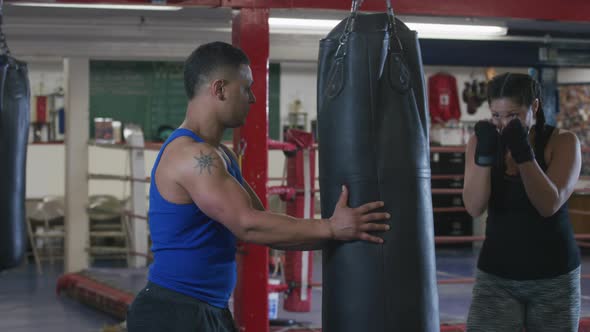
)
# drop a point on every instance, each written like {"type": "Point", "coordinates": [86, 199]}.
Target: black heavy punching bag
{"type": "Point", "coordinates": [14, 132]}
{"type": "Point", "coordinates": [373, 131]}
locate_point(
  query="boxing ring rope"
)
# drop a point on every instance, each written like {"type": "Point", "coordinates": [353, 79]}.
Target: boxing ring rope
{"type": "Point", "coordinates": [446, 191]}
{"type": "Point", "coordinates": [580, 212]}
{"type": "Point", "coordinates": [446, 177]}
{"type": "Point", "coordinates": [152, 146]}
{"type": "Point", "coordinates": [96, 290]}
{"type": "Point", "coordinates": [475, 238]}
{"type": "Point", "coordinates": [87, 286]}
{"type": "Point", "coordinates": [285, 191]}
{"type": "Point", "coordinates": [289, 193]}
{"type": "Point", "coordinates": [132, 215]}
{"type": "Point", "coordinates": [149, 255]}
{"type": "Point", "coordinates": [283, 146]}
{"type": "Point", "coordinates": [137, 233]}
{"type": "Point", "coordinates": [96, 176]}
{"type": "Point", "coordinates": [449, 209]}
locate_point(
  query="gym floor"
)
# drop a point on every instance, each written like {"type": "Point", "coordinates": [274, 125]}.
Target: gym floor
{"type": "Point", "coordinates": [28, 301]}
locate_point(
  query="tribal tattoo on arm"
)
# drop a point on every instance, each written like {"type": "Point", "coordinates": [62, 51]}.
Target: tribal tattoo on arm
{"type": "Point", "coordinates": [205, 162]}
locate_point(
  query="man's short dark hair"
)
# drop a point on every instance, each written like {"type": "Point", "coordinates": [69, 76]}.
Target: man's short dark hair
{"type": "Point", "coordinates": [207, 59]}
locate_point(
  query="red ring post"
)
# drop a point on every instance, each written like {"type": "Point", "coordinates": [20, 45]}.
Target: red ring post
{"type": "Point", "coordinates": [250, 33]}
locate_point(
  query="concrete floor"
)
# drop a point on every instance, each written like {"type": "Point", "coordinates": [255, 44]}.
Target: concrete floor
{"type": "Point", "coordinates": [28, 301]}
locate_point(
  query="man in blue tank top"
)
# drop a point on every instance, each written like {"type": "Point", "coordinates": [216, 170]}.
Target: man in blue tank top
{"type": "Point", "coordinates": [200, 205]}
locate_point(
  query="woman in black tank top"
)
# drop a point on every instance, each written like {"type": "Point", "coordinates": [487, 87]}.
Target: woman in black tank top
{"type": "Point", "coordinates": [522, 172]}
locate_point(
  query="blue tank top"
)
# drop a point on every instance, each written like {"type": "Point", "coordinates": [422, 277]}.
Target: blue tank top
{"type": "Point", "coordinates": [193, 254]}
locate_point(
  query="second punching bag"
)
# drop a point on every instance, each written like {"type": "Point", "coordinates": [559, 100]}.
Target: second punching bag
{"type": "Point", "coordinates": [373, 130]}
{"type": "Point", "coordinates": [14, 132]}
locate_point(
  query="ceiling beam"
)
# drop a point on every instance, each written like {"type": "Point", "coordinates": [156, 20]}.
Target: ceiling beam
{"type": "Point", "coordinates": [201, 3]}
{"type": "Point", "coordinates": [571, 10]}
{"type": "Point", "coordinates": [554, 10]}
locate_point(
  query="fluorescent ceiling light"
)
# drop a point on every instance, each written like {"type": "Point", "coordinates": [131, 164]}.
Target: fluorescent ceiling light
{"type": "Point", "coordinates": [301, 23]}
{"type": "Point", "coordinates": [95, 6]}
{"type": "Point", "coordinates": [432, 29]}
{"type": "Point", "coordinates": [425, 30]}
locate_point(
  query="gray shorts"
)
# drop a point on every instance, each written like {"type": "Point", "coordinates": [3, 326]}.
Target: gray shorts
{"type": "Point", "coordinates": [505, 305]}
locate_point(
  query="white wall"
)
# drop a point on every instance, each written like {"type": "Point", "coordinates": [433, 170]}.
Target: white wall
{"type": "Point", "coordinates": [573, 75]}
{"type": "Point", "coordinates": [298, 81]}
{"type": "Point", "coordinates": [46, 170]}
{"type": "Point", "coordinates": [46, 76]}
{"type": "Point", "coordinates": [45, 166]}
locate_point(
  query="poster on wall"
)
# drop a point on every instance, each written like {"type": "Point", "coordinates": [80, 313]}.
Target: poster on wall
{"type": "Point", "coordinates": [574, 114]}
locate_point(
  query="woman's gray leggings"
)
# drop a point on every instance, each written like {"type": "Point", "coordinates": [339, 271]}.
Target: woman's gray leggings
{"type": "Point", "coordinates": [505, 305]}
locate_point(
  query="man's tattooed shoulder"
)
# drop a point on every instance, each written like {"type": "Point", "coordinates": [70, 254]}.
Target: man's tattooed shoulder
{"type": "Point", "coordinates": [205, 162]}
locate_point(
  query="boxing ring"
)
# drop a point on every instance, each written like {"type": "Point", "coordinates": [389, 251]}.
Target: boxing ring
{"type": "Point", "coordinates": [111, 290]}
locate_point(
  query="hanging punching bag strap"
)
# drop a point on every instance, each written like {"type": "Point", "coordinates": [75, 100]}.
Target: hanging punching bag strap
{"type": "Point", "coordinates": [393, 30]}
{"type": "Point", "coordinates": [341, 50]}
{"type": "Point", "coordinates": [395, 46]}
{"type": "Point", "coordinates": [3, 45]}
{"type": "Point", "coordinates": [399, 74]}
{"type": "Point", "coordinates": [335, 80]}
